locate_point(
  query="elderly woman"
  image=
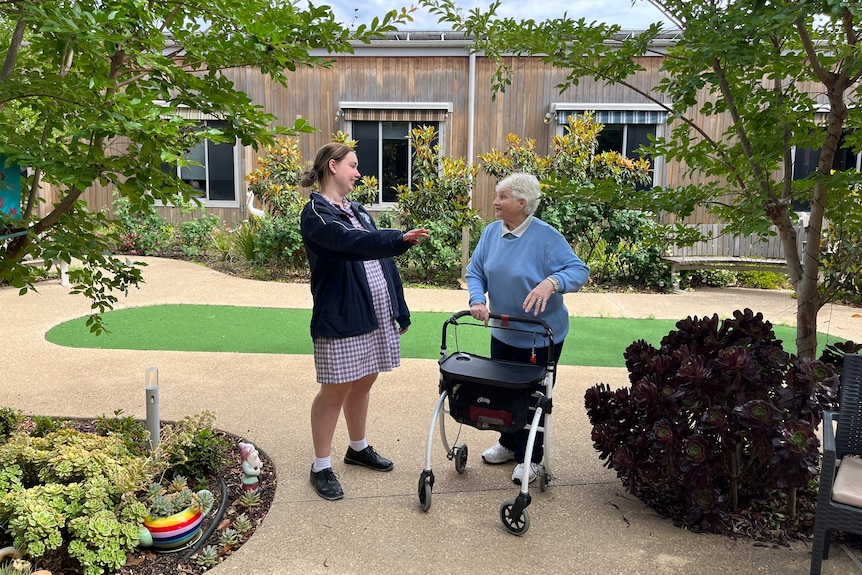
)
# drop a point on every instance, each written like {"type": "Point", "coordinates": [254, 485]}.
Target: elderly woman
{"type": "Point", "coordinates": [524, 266]}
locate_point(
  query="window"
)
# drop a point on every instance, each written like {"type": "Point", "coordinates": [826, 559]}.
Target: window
{"type": "Point", "coordinates": [215, 177]}
{"type": "Point", "coordinates": [384, 151]}
{"type": "Point", "coordinates": [381, 131]}
{"type": "Point", "coordinates": [625, 130]}
{"type": "Point", "coordinates": [805, 162]}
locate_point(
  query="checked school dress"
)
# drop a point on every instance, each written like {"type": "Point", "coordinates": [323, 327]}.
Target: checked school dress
{"type": "Point", "coordinates": [345, 359]}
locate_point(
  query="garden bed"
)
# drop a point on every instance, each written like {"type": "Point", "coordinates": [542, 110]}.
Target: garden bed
{"type": "Point", "coordinates": [143, 561]}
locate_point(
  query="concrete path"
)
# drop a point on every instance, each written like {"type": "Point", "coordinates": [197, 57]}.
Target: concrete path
{"type": "Point", "coordinates": [585, 523]}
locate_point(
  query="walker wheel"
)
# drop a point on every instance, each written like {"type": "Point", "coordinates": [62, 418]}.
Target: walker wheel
{"type": "Point", "coordinates": [461, 458]}
{"type": "Point", "coordinates": [544, 479]}
{"type": "Point", "coordinates": [514, 525]}
{"type": "Point", "coordinates": [425, 493]}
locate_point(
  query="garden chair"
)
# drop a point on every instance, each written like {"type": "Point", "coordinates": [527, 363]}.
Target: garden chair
{"type": "Point", "coordinates": [839, 499]}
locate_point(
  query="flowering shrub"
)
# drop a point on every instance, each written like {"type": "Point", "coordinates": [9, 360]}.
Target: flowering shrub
{"type": "Point", "coordinates": [620, 245]}
{"type": "Point", "coordinates": [275, 182]}
{"type": "Point", "coordinates": [141, 229]}
{"type": "Point", "coordinates": [717, 416]}
{"type": "Point", "coordinates": [438, 201]}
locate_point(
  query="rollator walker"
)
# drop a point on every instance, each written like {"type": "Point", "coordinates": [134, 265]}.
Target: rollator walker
{"type": "Point", "coordinates": [495, 395]}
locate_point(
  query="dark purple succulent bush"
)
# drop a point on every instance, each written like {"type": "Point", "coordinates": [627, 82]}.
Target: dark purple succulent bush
{"type": "Point", "coordinates": [717, 417]}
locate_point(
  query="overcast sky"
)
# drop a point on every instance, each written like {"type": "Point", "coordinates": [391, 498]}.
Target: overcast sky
{"type": "Point", "coordinates": [622, 12]}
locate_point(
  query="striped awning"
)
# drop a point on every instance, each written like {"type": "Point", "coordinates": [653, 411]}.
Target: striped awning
{"type": "Point", "coordinates": [617, 116]}
{"type": "Point", "coordinates": [193, 114]}
{"type": "Point", "coordinates": [184, 112]}
{"type": "Point", "coordinates": [395, 111]}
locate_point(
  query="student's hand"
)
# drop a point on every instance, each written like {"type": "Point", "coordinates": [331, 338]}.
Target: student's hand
{"type": "Point", "coordinates": [415, 236]}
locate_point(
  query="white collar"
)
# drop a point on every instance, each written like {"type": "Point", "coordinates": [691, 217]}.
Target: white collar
{"type": "Point", "coordinates": [519, 231]}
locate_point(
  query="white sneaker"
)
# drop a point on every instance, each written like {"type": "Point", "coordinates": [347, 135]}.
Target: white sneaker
{"type": "Point", "coordinates": [497, 454]}
{"type": "Point", "coordinates": [519, 472]}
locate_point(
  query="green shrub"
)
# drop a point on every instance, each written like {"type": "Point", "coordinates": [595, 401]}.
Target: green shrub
{"type": "Point", "coordinates": [196, 234]}
{"type": "Point", "coordinates": [10, 419]}
{"type": "Point", "coordinates": [762, 280]}
{"type": "Point", "coordinates": [201, 452]}
{"type": "Point", "coordinates": [45, 425]}
{"type": "Point", "coordinates": [706, 278]}
{"type": "Point", "coordinates": [141, 229]}
{"type": "Point", "coordinates": [278, 240]}
{"type": "Point", "coordinates": [133, 433]}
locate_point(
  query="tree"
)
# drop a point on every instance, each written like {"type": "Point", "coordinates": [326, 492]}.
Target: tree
{"type": "Point", "coordinates": [769, 67]}
{"type": "Point", "coordinates": [90, 92]}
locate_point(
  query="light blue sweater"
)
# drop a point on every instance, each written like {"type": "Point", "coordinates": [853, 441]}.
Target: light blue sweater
{"type": "Point", "coordinates": [508, 268]}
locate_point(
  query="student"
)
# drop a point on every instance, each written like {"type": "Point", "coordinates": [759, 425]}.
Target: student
{"type": "Point", "coordinates": [359, 310]}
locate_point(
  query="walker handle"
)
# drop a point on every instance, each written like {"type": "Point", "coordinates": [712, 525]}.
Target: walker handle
{"type": "Point", "coordinates": [505, 318]}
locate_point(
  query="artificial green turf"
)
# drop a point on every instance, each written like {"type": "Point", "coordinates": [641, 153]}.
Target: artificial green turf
{"type": "Point", "coordinates": [590, 342]}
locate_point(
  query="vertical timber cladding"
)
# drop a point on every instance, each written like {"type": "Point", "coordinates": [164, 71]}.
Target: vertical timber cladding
{"type": "Point", "coordinates": [315, 93]}
{"type": "Point", "coordinates": [424, 70]}
{"type": "Point", "coordinates": [399, 70]}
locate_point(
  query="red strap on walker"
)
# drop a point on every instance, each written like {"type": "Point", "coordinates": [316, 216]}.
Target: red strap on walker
{"type": "Point", "coordinates": [505, 319]}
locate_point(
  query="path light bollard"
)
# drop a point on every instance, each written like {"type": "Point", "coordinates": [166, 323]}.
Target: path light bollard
{"type": "Point", "coordinates": [152, 384]}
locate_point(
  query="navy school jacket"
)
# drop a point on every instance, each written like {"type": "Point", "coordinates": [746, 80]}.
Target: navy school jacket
{"type": "Point", "coordinates": [342, 299]}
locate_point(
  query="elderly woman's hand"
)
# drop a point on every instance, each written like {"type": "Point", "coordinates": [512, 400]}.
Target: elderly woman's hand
{"type": "Point", "coordinates": [480, 312]}
{"type": "Point", "coordinates": [537, 299]}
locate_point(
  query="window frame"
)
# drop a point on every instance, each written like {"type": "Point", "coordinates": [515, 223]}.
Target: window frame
{"type": "Point", "coordinates": [559, 111]}
{"type": "Point", "coordinates": [411, 124]}
{"type": "Point", "coordinates": [413, 113]}
{"type": "Point", "coordinates": [202, 118]}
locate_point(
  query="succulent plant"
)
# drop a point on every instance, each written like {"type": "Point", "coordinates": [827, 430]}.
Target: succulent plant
{"type": "Point", "coordinates": [207, 557]}
{"type": "Point", "coordinates": [167, 502]}
{"type": "Point", "coordinates": [161, 506]}
{"type": "Point", "coordinates": [715, 417]}
{"type": "Point", "coordinates": [184, 498]}
{"type": "Point", "coordinates": [242, 523]}
{"type": "Point", "coordinates": [178, 483]}
{"type": "Point", "coordinates": [228, 537]}
{"type": "Point", "coordinates": [204, 500]}
{"type": "Point", "coordinates": [155, 489]}
{"type": "Point", "coordinates": [250, 499]}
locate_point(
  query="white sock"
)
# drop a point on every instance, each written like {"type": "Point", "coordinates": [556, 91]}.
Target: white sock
{"type": "Point", "coordinates": [359, 445]}
{"type": "Point", "coordinates": [321, 463]}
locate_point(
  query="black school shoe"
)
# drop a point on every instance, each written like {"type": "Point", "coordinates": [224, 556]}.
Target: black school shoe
{"type": "Point", "coordinates": [326, 484]}
{"type": "Point", "coordinates": [368, 458]}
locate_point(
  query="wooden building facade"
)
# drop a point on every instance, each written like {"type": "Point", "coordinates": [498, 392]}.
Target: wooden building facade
{"type": "Point", "coordinates": [413, 78]}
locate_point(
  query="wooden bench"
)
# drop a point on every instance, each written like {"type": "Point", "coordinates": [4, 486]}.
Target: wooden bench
{"type": "Point", "coordinates": [722, 251]}
{"type": "Point", "coordinates": [62, 266]}
{"type": "Point", "coordinates": [732, 263]}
